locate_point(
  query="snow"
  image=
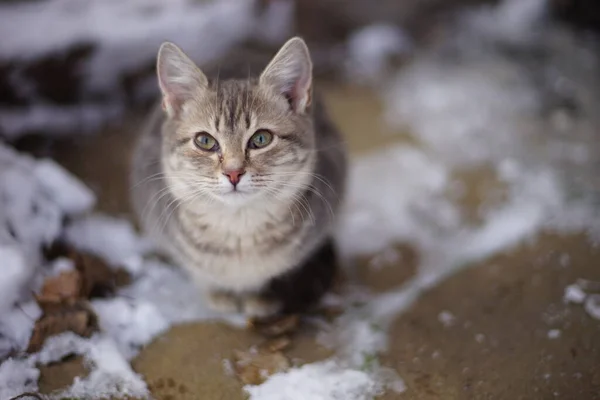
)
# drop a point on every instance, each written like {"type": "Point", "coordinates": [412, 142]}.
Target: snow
{"type": "Point", "coordinates": [67, 192]}
{"type": "Point", "coordinates": [111, 374]}
{"type": "Point", "coordinates": [513, 21]}
{"type": "Point", "coordinates": [130, 323]}
{"type": "Point", "coordinates": [592, 306]}
{"type": "Point", "coordinates": [15, 273]}
{"type": "Point", "coordinates": [370, 48]}
{"type": "Point", "coordinates": [574, 294]}
{"type": "Point", "coordinates": [16, 326]}
{"type": "Point", "coordinates": [170, 292]}
{"type": "Point", "coordinates": [35, 196]}
{"type": "Point", "coordinates": [554, 333]}
{"type": "Point", "coordinates": [446, 318]}
{"type": "Point", "coordinates": [17, 377]}
{"type": "Point", "coordinates": [582, 292]}
{"type": "Point", "coordinates": [111, 238]}
{"type": "Point", "coordinates": [56, 119]}
{"type": "Point", "coordinates": [318, 381]}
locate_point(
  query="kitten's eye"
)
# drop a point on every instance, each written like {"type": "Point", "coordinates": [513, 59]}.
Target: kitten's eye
{"type": "Point", "coordinates": [260, 139]}
{"type": "Point", "coordinates": [206, 142]}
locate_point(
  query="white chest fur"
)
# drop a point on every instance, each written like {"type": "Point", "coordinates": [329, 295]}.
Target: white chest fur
{"type": "Point", "coordinates": [239, 250]}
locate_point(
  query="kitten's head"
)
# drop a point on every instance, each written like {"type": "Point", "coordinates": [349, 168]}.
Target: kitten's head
{"type": "Point", "coordinates": [236, 141]}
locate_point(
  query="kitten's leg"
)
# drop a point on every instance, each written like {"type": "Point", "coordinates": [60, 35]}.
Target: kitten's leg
{"type": "Point", "coordinates": [223, 301]}
{"type": "Point", "coordinates": [259, 306]}
{"type": "Point", "coordinates": [303, 287]}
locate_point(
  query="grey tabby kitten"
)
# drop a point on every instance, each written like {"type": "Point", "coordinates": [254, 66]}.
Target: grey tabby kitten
{"type": "Point", "coordinates": [239, 178]}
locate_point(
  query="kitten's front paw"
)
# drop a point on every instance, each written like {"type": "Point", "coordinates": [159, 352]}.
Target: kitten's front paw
{"type": "Point", "coordinates": [256, 306]}
{"type": "Point", "coordinates": [223, 301]}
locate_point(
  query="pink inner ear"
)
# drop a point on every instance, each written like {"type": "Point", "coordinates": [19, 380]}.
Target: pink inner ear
{"type": "Point", "coordinates": [296, 92]}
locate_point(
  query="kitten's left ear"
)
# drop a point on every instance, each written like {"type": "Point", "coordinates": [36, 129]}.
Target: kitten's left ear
{"type": "Point", "coordinates": [290, 74]}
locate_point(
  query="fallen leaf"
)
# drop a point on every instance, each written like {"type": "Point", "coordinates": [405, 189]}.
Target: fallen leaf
{"type": "Point", "coordinates": [65, 286]}
{"type": "Point", "coordinates": [253, 367]}
{"type": "Point", "coordinates": [276, 326]}
{"type": "Point", "coordinates": [98, 278]}
{"type": "Point", "coordinates": [276, 344]}
{"type": "Point", "coordinates": [75, 317]}
{"type": "Point", "coordinates": [330, 312]}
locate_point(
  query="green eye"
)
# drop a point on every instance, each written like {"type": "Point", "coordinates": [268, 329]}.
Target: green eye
{"type": "Point", "coordinates": [260, 139]}
{"type": "Point", "coordinates": [206, 142]}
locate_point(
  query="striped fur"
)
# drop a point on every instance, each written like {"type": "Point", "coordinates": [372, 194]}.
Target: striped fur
{"type": "Point", "coordinates": [236, 245]}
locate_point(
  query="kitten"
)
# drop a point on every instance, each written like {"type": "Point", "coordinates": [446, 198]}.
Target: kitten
{"type": "Point", "coordinates": [239, 179]}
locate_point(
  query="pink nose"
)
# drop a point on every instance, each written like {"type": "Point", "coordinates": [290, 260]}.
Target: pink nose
{"type": "Point", "coordinates": [234, 175]}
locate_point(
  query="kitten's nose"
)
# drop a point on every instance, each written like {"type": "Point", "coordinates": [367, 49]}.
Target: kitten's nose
{"type": "Point", "coordinates": [234, 176]}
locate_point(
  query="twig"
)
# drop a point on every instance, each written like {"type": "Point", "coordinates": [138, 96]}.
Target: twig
{"type": "Point", "coordinates": [29, 394]}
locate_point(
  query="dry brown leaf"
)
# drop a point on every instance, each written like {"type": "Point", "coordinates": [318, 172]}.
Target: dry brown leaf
{"type": "Point", "coordinates": [276, 344]}
{"type": "Point", "coordinates": [253, 367]}
{"type": "Point", "coordinates": [75, 317]}
{"type": "Point", "coordinates": [330, 312]}
{"type": "Point", "coordinates": [65, 286]}
{"type": "Point", "coordinates": [98, 279]}
{"type": "Point", "coordinates": [276, 326]}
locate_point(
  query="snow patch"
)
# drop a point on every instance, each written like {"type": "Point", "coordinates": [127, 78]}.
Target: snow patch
{"type": "Point", "coordinates": [574, 294]}
{"type": "Point", "coordinates": [584, 292]}
{"type": "Point", "coordinates": [110, 238]}
{"type": "Point", "coordinates": [318, 381]}
{"type": "Point", "coordinates": [592, 306]}
{"type": "Point", "coordinates": [15, 273]}
{"type": "Point", "coordinates": [170, 292]}
{"type": "Point", "coordinates": [16, 326]}
{"type": "Point", "coordinates": [512, 21]}
{"type": "Point", "coordinates": [446, 318]}
{"type": "Point", "coordinates": [17, 377]}
{"type": "Point", "coordinates": [554, 333]}
{"type": "Point", "coordinates": [131, 324]}
{"type": "Point", "coordinates": [111, 374]}
{"type": "Point", "coordinates": [370, 48]}
{"type": "Point", "coordinates": [66, 191]}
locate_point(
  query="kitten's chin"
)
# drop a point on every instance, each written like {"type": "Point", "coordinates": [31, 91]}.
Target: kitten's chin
{"type": "Point", "coordinates": [236, 198]}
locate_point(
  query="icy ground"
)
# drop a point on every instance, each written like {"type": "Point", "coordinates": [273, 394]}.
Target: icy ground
{"type": "Point", "coordinates": [486, 108]}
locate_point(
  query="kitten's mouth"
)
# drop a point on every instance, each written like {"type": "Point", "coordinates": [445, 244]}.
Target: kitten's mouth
{"type": "Point", "coordinates": [235, 192]}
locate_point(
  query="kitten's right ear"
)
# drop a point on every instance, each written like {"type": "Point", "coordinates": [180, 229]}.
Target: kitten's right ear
{"type": "Point", "coordinates": [178, 77]}
{"type": "Point", "coordinates": [290, 74]}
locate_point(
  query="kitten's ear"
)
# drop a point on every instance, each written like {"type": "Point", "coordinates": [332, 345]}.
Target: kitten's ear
{"type": "Point", "coordinates": [290, 73]}
{"type": "Point", "coordinates": [178, 77]}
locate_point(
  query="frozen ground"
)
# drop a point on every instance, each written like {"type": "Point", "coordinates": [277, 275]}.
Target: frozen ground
{"type": "Point", "coordinates": [468, 110]}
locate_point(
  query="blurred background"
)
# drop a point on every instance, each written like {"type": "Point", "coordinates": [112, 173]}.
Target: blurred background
{"type": "Point", "coordinates": [473, 128]}
{"type": "Point", "coordinates": [68, 67]}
